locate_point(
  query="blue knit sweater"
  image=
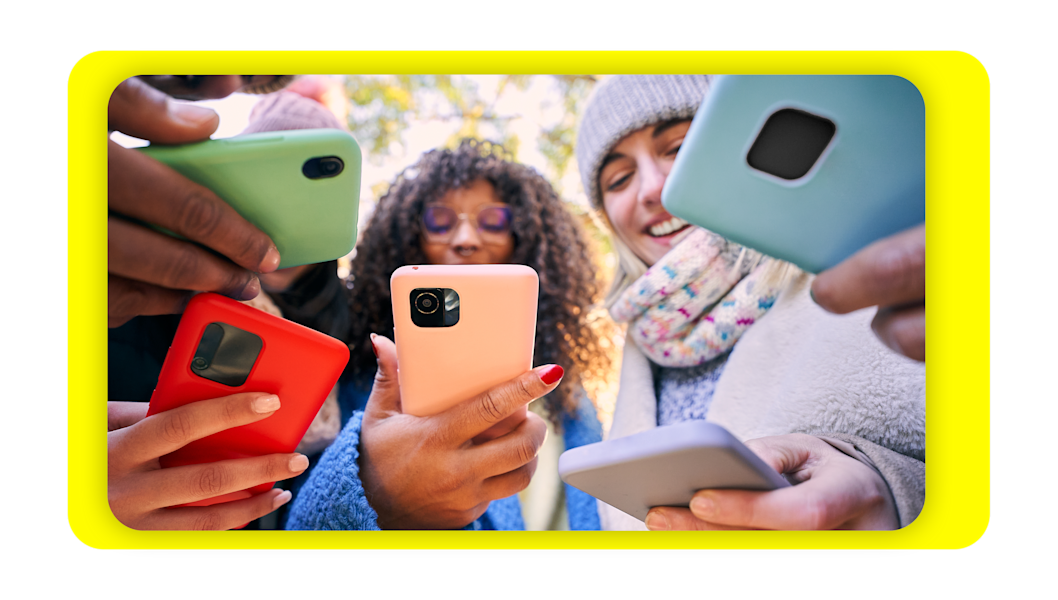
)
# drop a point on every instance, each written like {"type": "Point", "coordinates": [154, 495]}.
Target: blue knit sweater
{"type": "Point", "coordinates": [332, 497]}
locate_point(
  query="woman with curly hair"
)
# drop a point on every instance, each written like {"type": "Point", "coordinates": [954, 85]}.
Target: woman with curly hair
{"type": "Point", "coordinates": [470, 205]}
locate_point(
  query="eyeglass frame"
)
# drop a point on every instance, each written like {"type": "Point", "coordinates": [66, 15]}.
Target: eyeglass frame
{"type": "Point", "coordinates": [465, 216]}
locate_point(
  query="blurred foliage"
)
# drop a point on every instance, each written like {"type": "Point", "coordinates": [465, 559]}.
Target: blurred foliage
{"type": "Point", "coordinates": [383, 107]}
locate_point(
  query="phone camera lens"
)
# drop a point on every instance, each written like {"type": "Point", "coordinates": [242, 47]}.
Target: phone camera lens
{"type": "Point", "coordinates": [330, 166]}
{"type": "Point", "coordinates": [426, 303]}
{"type": "Point", "coordinates": [322, 167]}
{"type": "Point", "coordinates": [199, 363]}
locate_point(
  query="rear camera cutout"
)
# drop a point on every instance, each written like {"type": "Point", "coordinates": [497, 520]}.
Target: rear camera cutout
{"type": "Point", "coordinates": [425, 303]}
{"type": "Point", "coordinates": [226, 354]}
{"type": "Point", "coordinates": [322, 167]}
{"type": "Point", "coordinates": [790, 143]}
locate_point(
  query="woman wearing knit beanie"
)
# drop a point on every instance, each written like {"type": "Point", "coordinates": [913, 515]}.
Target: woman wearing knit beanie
{"type": "Point", "coordinates": [719, 332]}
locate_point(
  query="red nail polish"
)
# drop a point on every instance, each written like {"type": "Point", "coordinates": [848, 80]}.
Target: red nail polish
{"type": "Point", "coordinates": [373, 349]}
{"type": "Point", "coordinates": [552, 375]}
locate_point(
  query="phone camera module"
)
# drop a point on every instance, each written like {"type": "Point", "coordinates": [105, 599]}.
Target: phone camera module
{"type": "Point", "coordinates": [790, 143]}
{"type": "Point", "coordinates": [426, 303]}
{"type": "Point", "coordinates": [434, 307]}
{"type": "Point", "coordinates": [322, 167]}
{"type": "Point", "coordinates": [226, 354]}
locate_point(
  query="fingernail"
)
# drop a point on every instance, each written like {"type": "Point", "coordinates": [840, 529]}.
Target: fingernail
{"type": "Point", "coordinates": [657, 522]}
{"type": "Point", "coordinates": [270, 262]}
{"type": "Point", "coordinates": [373, 348]}
{"type": "Point", "coordinates": [190, 113]}
{"type": "Point", "coordinates": [812, 295]}
{"type": "Point", "coordinates": [250, 291]}
{"type": "Point", "coordinates": [266, 405]}
{"type": "Point", "coordinates": [703, 506]}
{"type": "Point", "coordinates": [281, 499]}
{"type": "Point", "coordinates": [298, 463]}
{"type": "Point", "coordinates": [551, 374]}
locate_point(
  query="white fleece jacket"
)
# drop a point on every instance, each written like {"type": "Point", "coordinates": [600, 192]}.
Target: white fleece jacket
{"type": "Point", "coordinates": [800, 369]}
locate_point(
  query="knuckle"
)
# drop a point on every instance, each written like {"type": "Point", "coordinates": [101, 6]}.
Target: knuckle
{"type": "Point", "coordinates": [489, 408]}
{"type": "Point", "coordinates": [210, 481]}
{"type": "Point", "coordinates": [522, 477]}
{"type": "Point", "coordinates": [199, 216]}
{"type": "Point", "coordinates": [182, 269]}
{"type": "Point", "coordinates": [526, 450]}
{"type": "Point", "coordinates": [525, 386]}
{"type": "Point", "coordinates": [816, 514]}
{"type": "Point", "coordinates": [177, 428]}
{"type": "Point", "coordinates": [207, 521]}
{"type": "Point", "coordinates": [233, 410]}
{"type": "Point", "coordinates": [898, 268]}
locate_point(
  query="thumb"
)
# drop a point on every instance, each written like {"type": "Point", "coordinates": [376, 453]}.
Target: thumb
{"type": "Point", "coordinates": [385, 393]}
{"type": "Point", "coordinates": [787, 454]}
{"type": "Point", "coordinates": [139, 110]}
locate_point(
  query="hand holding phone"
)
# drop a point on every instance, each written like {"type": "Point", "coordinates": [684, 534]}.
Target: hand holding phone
{"type": "Point", "coordinates": [224, 347]}
{"type": "Point", "coordinates": [665, 466]}
{"type": "Point", "coordinates": [460, 330]}
{"type": "Point", "coordinates": [150, 273]}
{"type": "Point", "coordinates": [140, 491]}
{"type": "Point", "coordinates": [834, 491]}
{"type": "Point", "coordinates": [426, 472]}
{"type": "Point", "coordinates": [301, 187]}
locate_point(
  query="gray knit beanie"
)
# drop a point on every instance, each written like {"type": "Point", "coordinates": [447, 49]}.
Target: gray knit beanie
{"type": "Point", "coordinates": [625, 103]}
{"type": "Point", "coordinates": [286, 110]}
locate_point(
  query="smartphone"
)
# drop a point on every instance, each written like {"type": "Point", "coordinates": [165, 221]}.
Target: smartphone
{"type": "Point", "coordinates": [807, 169]}
{"type": "Point", "coordinates": [665, 466]}
{"type": "Point", "coordinates": [224, 347]}
{"type": "Point", "coordinates": [460, 330]}
{"type": "Point", "coordinates": [300, 187]}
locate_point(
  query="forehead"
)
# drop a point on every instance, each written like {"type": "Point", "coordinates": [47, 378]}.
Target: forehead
{"type": "Point", "coordinates": [652, 134]}
{"type": "Point", "coordinates": [470, 197]}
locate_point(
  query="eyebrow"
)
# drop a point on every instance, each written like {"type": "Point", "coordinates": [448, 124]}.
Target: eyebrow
{"type": "Point", "coordinates": [660, 129]}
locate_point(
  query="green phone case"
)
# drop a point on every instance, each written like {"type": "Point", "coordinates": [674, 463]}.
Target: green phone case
{"type": "Point", "coordinates": [847, 167]}
{"type": "Point", "coordinates": [262, 176]}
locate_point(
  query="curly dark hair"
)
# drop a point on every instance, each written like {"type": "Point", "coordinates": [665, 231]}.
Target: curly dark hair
{"type": "Point", "coordinates": [546, 237]}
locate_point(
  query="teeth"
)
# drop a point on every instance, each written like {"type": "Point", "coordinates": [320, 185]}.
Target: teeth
{"type": "Point", "coordinates": [667, 227]}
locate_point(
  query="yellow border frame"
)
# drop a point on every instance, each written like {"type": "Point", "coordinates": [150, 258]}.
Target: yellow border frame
{"type": "Point", "coordinates": [955, 89]}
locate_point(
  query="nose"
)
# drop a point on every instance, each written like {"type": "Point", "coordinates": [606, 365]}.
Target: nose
{"type": "Point", "coordinates": [466, 237]}
{"type": "Point", "coordinates": [652, 175]}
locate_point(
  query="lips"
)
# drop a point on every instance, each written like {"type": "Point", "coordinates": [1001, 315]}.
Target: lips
{"type": "Point", "coordinates": [667, 227]}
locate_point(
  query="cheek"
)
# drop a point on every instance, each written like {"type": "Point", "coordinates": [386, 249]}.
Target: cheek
{"type": "Point", "coordinates": [621, 215]}
{"type": "Point", "coordinates": [434, 252]}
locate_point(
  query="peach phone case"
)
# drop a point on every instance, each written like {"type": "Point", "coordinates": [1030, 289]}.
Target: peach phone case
{"type": "Point", "coordinates": [439, 367]}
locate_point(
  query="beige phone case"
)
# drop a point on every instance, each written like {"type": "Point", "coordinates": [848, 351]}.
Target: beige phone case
{"type": "Point", "coordinates": [491, 343]}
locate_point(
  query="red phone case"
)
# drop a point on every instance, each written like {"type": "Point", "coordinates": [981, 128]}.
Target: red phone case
{"type": "Point", "coordinates": [298, 364]}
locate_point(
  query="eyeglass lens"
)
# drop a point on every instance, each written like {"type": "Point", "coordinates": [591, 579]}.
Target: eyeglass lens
{"type": "Point", "coordinates": [441, 221]}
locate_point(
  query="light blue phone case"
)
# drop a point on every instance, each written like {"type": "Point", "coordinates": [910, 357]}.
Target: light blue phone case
{"type": "Point", "coordinates": [867, 183]}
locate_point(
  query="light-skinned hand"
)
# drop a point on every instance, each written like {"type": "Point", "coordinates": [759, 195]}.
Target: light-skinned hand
{"type": "Point", "coordinates": [834, 491]}
{"type": "Point", "coordinates": [141, 492]}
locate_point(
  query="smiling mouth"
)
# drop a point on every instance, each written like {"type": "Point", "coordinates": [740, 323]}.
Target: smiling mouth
{"type": "Point", "coordinates": [673, 225]}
